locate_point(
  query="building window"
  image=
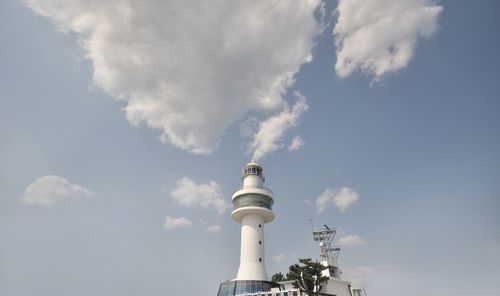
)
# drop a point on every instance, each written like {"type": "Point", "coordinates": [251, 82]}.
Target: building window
{"type": "Point", "coordinates": [260, 226]}
{"type": "Point", "coordinates": [260, 259]}
{"type": "Point", "coordinates": [260, 242]}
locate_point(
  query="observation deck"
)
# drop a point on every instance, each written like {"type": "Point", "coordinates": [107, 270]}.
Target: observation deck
{"type": "Point", "coordinates": [252, 197]}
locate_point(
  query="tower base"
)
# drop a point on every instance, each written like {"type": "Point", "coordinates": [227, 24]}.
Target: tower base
{"type": "Point", "coordinates": [237, 287]}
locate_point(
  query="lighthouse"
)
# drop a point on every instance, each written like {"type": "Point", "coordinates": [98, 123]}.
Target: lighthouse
{"type": "Point", "coordinates": [252, 209]}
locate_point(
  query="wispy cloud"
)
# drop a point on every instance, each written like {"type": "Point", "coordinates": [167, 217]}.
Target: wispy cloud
{"type": "Point", "coordinates": [324, 199]}
{"type": "Point", "coordinates": [50, 190]}
{"type": "Point", "coordinates": [279, 258]}
{"type": "Point", "coordinates": [175, 63]}
{"type": "Point", "coordinates": [208, 195]}
{"type": "Point", "coordinates": [269, 136]}
{"type": "Point", "coordinates": [213, 229]}
{"type": "Point", "coordinates": [380, 36]}
{"type": "Point", "coordinates": [352, 241]}
{"type": "Point", "coordinates": [296, 143]}
{"type": "Point", "coordinates": [172, 223]}
{"type": "Point", "coordinates": [342, 199]}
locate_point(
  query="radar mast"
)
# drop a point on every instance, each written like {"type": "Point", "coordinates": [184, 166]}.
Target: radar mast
{"type": "Point", "coordinates": [329, 253]}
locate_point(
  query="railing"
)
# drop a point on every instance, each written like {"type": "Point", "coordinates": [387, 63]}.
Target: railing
{"type": "Point", "coordinates": [293, 292]}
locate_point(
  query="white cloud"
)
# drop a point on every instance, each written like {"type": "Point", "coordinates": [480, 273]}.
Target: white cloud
{"type": "Point", "coordinates": [213, 229]}
{"type": "Point", "coordinates": [279, 258]}
{"type": "Point", "coordinates": [268, 137]}
{"type": "Point", "coordinates": [50, 190]}
{"type": "Point", "coordinates": [172, 223]}
{"type": "Point", "coordinates": [325, 198]}
{"type": "Point", "coordinates": [352, 241]}
{"type": "Point", "coordinates": [342, 199]}
{"type": "Point", "coordinates": [190, 68]}
{"type": "Point", "coordinates": [208, 195]}
{"type": "Point", "coordinates": [296, 143]}
{"type": "Point", "coordinates": [345, 197]}
{"type": "Point", "coordinates": [379, 36]}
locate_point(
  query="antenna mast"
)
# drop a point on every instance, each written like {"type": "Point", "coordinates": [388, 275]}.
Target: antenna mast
{"type": "Point", "coordinates": [325, 237]}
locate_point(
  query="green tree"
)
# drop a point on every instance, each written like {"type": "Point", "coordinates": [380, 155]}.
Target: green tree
{"type": "Point", "coordinates": [278, 277]}
{"type": "Point", "coordinates": [307, 276]}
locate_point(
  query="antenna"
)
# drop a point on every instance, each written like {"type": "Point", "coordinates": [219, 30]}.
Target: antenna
{"type": "Point", "coordinates": [325, 238]}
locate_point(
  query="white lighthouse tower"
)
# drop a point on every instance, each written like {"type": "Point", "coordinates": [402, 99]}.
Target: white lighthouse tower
{"type": "Point", "coordinates": [252, 204]}
{"type": "Point", "coordinates": [253, 209]}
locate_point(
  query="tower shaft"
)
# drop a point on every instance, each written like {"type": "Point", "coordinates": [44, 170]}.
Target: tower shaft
{"type": "Point", "coordinates": [252, 261]}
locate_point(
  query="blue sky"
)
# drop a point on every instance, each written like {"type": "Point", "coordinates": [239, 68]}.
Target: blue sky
{"type": "Point", "coordinates": [109, 110]}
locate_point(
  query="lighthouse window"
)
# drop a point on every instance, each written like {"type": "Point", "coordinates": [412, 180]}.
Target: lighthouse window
{"type": "Point", "coordinates": [260, 226]}
{"type": "Point", "coordinates": [260, 259]}
{"type": "Point", "coordinates": [253, 170]}
{"type": "Point", "coordinates": [260, 242]}
{"type": "Point", "coordinates": [253, 200]}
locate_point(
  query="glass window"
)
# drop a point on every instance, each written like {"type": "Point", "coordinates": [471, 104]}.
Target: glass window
{"type": "Point", "coordinates": [226, 289]}
{"type": "Point", "coordinates": [253, 288]}
{"type": "Point", "coordinates": [253, 200]}
{"type": "Point", "coordinates": [241, 287]}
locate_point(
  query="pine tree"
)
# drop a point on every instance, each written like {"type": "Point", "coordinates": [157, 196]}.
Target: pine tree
{"type": "Point", "coordinates": [278, 277]}
{"type": "Point", "coordinates": [307, 276]}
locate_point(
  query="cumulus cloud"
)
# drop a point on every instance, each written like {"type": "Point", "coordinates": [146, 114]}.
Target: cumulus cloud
{"type": "Point", "coordinates": [191, 68]}
{"type": "Point", "coordinates": [296, 143]}
{"type": "Point", "coordinates": [208, 195]}
{"type": "Point", "coordinates": [352, 241]}
{"type": "Point", "coordinates": [269, 135]}
{"type": "Point", "coordinates": [380, 36]}
{"type": "Point", "coordinates": [345, 197]}
{"type": "Point", "coordinates": [172, 223]}
{"type": "Point", "coordinates": [279, 258]}
{"type": "Point", "coordinates": [213, 229]}
{"type": "Point", "coordinates": [342, 199]}
{"type": "Point", "coordinates": [50, 190]}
